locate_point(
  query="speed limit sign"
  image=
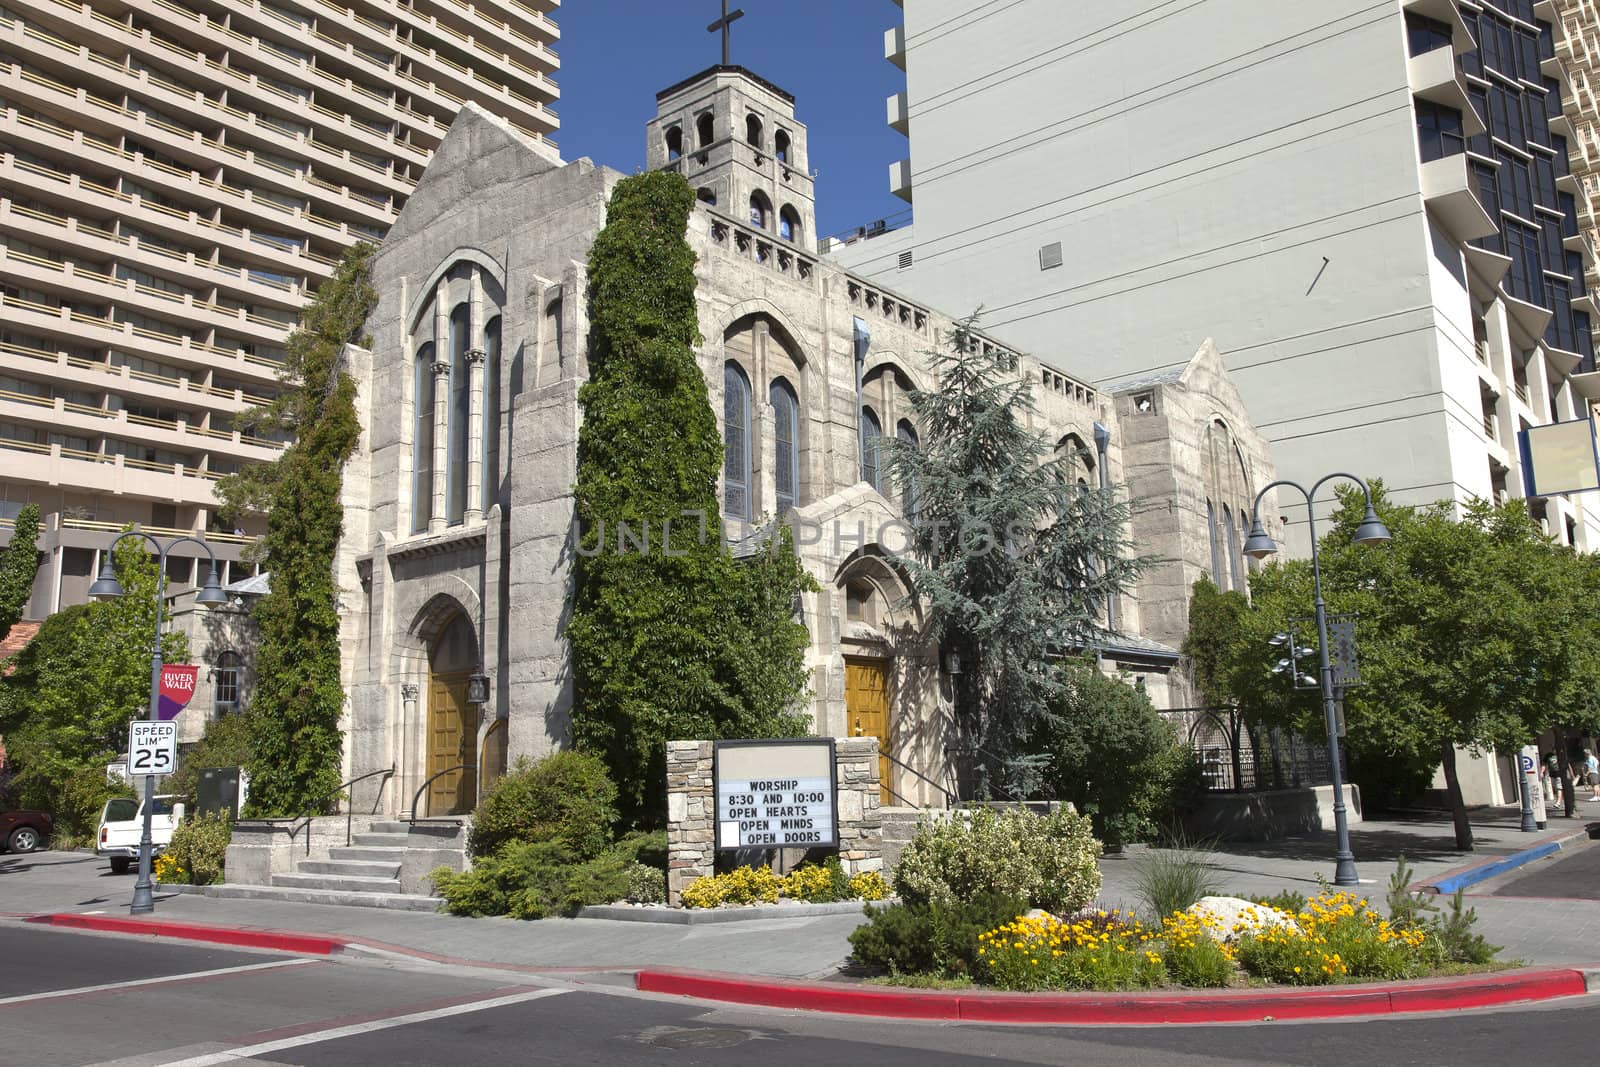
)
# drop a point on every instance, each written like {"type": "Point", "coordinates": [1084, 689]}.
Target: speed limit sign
{"type": "Point", "coordinates": [152, 747]}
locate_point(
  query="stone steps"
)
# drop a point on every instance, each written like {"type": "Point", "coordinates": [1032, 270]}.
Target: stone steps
{"type": "Point", "coordinates": [343, 898]}
{"type": "Point", "coordinates": [337, 883]}
{"type": "Point", "coordinates": [380, 840]}
{"type": "Point", "coordinates": [353, 868]}
{"type": "Point", "coordinates": [390, 828]}
{"type": "Point", "coordinates": [367, 854]}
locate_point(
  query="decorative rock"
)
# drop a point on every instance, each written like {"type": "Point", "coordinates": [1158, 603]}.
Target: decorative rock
{"type": "Point", "coordinates": [1227, 917]}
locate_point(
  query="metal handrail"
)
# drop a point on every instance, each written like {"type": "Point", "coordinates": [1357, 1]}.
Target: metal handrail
{"type": "Point", "coordinates": [421, 789]}
{"type": "Point", "coordinates": [948, 796]}
{"type": "Point", "coordinates": [306, 826]}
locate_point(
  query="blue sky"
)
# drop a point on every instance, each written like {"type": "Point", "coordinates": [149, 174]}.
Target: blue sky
{"type": "Point", "coordinates": [617, 54]}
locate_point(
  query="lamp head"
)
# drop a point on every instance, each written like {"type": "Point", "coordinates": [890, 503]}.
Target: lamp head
{"type": "Point", "coordinates": [106, 587]}
{"type": "Point", "coordinates": [1372, 531]}
{"type": "Point", "coordinates": [1258, 545]}
{"type": "Point", "coordinates": [211, 594]}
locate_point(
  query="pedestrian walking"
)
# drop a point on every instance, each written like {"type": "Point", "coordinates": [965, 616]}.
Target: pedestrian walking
{"type": "Point", "coordinates": [1591, 774]}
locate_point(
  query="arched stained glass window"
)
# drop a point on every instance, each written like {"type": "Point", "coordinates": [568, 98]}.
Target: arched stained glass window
{"type": "Point", "coordinates": [907, 433]}
{"type": "Point", "coordinates": [786, 453]}
{"type": "Point", "coordinates": [491, 414]}
{"type": "Point", "coordinates": [1216, 551]}
{"type": "Point", "coordinates": [460, 412]}
{"type": "Point", "coordinates": [1232, 580]}
{"type": "Point", "coordinates": [871, 430]}
{"type": "Point", "coordinates": [422, 441]}
{"type": "Point", "coordinates": [736, 442]}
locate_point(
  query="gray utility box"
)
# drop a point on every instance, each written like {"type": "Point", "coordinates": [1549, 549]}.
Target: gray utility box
{"type": "Point", "coordinates": [218, 790]}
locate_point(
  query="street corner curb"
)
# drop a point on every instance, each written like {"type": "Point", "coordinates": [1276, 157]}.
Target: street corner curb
{"type": "Point", "coordinates": [1469, 874]}
{"type": "Point", "coordinates": [243, 937]}
{"type": "Point", "coordinates": [1122, 1009]}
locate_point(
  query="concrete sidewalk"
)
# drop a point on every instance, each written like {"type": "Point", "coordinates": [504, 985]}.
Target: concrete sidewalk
{"type": "Point", "coordinates": [1539, 931]}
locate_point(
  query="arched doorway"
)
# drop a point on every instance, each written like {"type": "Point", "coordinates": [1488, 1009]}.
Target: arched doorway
{"type": "Point", "coordinates": [452, 737]}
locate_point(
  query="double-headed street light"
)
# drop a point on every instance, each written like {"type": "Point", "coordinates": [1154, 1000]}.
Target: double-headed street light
{"type": "Point", "coordinates": [1258, 545]}
{"type": "Point", "coordinates": [106, 587]}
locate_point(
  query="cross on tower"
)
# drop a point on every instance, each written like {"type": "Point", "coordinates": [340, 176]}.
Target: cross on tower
{"type": "Point", "coordinates": [725, 24]}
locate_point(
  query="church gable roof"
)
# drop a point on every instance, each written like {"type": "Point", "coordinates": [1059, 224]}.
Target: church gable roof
{"type": "Point", "coordinates": [479, 151]}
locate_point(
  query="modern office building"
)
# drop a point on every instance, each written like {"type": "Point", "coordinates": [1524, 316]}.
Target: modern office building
{"type": "Point", "coordinates": [176, 177]}
{"type": "Point", "coordinates": [1372, 208]}
{"type": "Point", "coordinates": [1578, 45]}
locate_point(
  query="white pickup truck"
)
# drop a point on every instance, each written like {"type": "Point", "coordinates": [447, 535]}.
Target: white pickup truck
{"type": "Point", "coordinates": [122, 822]}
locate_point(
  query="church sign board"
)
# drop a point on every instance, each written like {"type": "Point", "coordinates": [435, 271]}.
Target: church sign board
{"type": "Point", "coordinates": [775, 794]}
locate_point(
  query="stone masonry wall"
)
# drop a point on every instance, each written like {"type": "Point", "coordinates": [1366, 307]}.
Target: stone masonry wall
{"type": "Point", "coordinates": [691, 810]}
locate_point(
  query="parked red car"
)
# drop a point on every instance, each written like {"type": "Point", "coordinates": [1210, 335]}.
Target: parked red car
{"type": "Point", "coordinates": [25, 831]}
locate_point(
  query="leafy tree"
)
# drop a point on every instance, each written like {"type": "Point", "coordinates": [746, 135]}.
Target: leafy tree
{"type": "Point", "coordinates": [297, 700]}
{"type": "Point", "coordinates": [1012, 561]}
{"type": "Point", "coordinates": [66, 704]}
{"type": "Point", "coordinates": [678, 640]}
{"type": "Point", "coordinates": [1112, 755]}
{"type": "Point", "coordinates": [19, 563]}
{"type": "Point", "coordinates": [1474, 633]}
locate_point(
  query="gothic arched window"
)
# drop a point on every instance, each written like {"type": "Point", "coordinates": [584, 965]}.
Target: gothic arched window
{"type": "Point", "coordinates": [1227, 551]}
{"type": "Point", "coordinates": [422, 441]}
{"type": "Point", "coordinates": [752, 130]}
{"type": "Point", "coordinates": [460, 412]}
{"type": "Point", "coordinates": [789, 224]}
{"type": "Point", "coordinates": [736, 442]}
{"type": "Point", "coordinates": [780, 145]}
{"type": "Point", "coordinates": [1216, 550]}
{"type": "Point", "coordinates": [760, 210]}
{"type": "Point", "coordinates": [706, 195]}
{"type": "Point", "coordinates": [491, 414]}
{"type": "Point", "coordinates": [907, 433]}
{"type": "Point", "coordinates": [705, 130]}
{"type": "Point", "coordinates": [871, 431]}
{"type": "Point", "coordinates": [674, 142]}
{"type": "Point", "coordinates": [786, 451]}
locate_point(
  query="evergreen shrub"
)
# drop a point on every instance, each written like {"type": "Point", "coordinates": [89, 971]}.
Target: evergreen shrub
{"type": "Point", "coordinates": [566, 797]}
{"type": "Point", "coordinates": [1047, 860]}
{"type": "Point", "coordinates": [937, 937]}
{"type": "Point", "coordinates": [199, 848]}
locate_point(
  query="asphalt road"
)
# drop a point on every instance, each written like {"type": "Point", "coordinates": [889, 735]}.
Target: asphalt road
{"type": "Point", "coordinates": [172, 1003]}
{"type": "Point", "coordinates": [1574, 877]}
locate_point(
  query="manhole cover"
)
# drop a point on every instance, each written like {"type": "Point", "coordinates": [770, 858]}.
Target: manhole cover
{"type": "Point", "coordinates": [695, 1037]}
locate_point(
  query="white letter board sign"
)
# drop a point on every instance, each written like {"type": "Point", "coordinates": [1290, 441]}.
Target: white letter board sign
{"type": "Point", "coordinates": [775, 794]}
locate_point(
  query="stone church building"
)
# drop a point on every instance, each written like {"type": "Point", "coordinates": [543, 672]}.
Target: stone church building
{"type": "Point", "coordinates": [456, 563]}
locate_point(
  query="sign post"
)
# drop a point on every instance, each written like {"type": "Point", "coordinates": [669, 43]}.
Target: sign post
{"type": "Point", "coordinates": [1532, 792]}
{"type": "Point", "coordinates": [775, 794]}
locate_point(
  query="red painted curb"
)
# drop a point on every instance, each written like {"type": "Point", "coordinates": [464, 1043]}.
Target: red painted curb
{"type": "Point", "coordinates": [278, 940]}
{"type": "Point", "coordinates": [1083, 1009]}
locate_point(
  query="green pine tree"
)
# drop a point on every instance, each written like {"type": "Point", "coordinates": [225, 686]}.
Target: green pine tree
{"type": "Point", "coordinates": [680, 641]}
{"type": "Point", "coordinates": [297, 700]}
{"type": "Point", "coordinates": [1013, 563]}
{"type": "Point", "coordinates": [19, 563]}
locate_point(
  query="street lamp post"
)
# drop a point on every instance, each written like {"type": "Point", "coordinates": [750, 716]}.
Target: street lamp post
{"type": "Point", "coordinates": [106, 587]}
{"type": "Point", "coordinates": [1258, 545]}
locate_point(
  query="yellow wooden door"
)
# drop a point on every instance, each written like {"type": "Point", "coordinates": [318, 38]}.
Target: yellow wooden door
{"type": "Point", "coordinates": [452, 741]}
{"type": "Point", "coordinates": [866, 703]}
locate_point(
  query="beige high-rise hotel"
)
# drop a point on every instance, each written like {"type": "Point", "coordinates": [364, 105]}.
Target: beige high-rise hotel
{"type": "Point", "coordinates": [176, 178]}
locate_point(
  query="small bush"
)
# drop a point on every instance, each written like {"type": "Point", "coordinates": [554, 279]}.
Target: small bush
{"type": "Point", "coordinates": [742, 885]}
{"type": "Point", "coordinates": [1288, 901]}
{"type": "Point", "coordinates": [1458, 942]}
{"type": "Point", "coordinates": [931, 937]}
{"type": "Point", "coordinates": [199, 848]}
{"type": "Point", "coordinates": [1046, 860]}
{"type": "Point", "coordinates": [533, 880]}
{"type": "Point", "coordinates": [819, 883]}
{"type": "Point", "coordinates": [1193, 955]}
{"type": "Point", "coordinates": [646, 884]}
{"type": "Point", "coordinates": [868, 885]}
{"type": "Point", "coordinates": [566, 797]}
{"type": "Point", "coordinates": [1337, 936]}
{"type": "Point", "coordinates": [1173, 880]}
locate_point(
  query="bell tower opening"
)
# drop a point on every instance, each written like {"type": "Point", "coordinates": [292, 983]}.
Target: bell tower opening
{"type": "Point", "coordinates": [749, 152]}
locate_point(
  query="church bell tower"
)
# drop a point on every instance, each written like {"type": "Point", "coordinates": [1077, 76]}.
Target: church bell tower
{"type": "Point", "coordinates": [733, 135]}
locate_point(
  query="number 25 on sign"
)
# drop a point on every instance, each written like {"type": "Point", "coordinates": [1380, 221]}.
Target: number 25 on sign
{"type": "Point", "coordinates": [152, 747]}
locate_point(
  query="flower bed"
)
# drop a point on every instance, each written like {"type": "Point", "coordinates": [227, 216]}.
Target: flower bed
{"type": "Point", "coordinates": [813, 883]}
{"type": "Point", "coordinates": [1338, 937]}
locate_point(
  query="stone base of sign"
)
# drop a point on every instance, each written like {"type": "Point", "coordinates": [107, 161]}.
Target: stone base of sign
{"type": "Point", "coordinates": [691, 811]}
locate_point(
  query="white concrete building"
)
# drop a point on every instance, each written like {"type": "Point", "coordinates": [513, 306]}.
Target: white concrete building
{"type": "Point", "coordinates": [176, 177]}
{"type": "Point", "coordinates": [1370, 208]}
